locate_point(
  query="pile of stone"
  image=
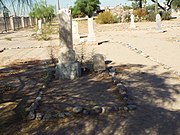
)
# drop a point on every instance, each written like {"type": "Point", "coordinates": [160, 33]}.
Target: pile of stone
{"type": "Point", "coordinates": [33, 109]}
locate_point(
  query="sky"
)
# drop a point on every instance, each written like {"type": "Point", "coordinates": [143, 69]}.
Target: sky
{"type": "Point", "coordinates": [67, 3]}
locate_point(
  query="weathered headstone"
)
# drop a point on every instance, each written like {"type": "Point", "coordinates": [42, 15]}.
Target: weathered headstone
{"type": "Point", "coordinates": [76, 36]}
{"type": "Point", "coordinates": [91, 35]}
{"type": "Point", "coordinates": [178, 14]}
{"type": "Point", "coordinates": [39, 27]}
{"type": "Point", "coordinates": [158, 22]}
{"type": "Point", "coordinates": [30, 21]}
{"type": "Point", "coordinates": [67, 67]}
{"type": "Point", "coordinates": [22, 21]}
{"type": "Point", "coordinates": [99, 62]}
{"type": "Point", "coordinates": [132, 25]}
{"type": "Point", "coordinates": [12, 23]}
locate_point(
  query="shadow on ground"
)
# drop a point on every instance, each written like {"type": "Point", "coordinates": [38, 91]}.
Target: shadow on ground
{"type": "Point", "coordinates": [156, 97]}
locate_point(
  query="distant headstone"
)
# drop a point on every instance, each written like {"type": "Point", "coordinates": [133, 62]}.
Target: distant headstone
{"type": "Point", "coordinates": [67, 67]}
{"type": "Point", "coordinates": [158, 22]}
{"type": "Point", "coordinates": [99, 62]}
{"type": "Point", "coordinates": [91, 34]}
{"type": "Point", "coordinates": [39, 27]}
{"type": "Point", "coordinates": [75, 31]}
{"type": "Point", "coordinates": [132, 25]}
{"type": "Point", "coordinates": [178, 14]}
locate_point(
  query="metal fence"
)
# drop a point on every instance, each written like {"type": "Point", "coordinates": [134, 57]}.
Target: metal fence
{"type": "Point", "coordinates": [5, 24]}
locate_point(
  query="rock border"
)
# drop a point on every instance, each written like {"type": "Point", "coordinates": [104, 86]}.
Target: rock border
{"type": "Point", "coordinates": [78, 110]}
{"type": "Point", "coordinates": [135, 49]}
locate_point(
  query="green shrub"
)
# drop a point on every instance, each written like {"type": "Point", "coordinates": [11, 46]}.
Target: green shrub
{"type": "Point", "coordinates": [151, 16]}
{"type": "Point", "coordinates": [127, 18]}
{"type": "Point", "coordinates": [166, 15]}
{"type": "Point", "coordinates": [105, 18]}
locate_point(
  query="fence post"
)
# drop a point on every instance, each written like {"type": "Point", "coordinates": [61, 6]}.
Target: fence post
{"type": "Point", "coordinates": [22, 21]}
{"type": "Point", "coordinates": [12, 23]}
{"type": "Point", "coordinates": [30, 21]}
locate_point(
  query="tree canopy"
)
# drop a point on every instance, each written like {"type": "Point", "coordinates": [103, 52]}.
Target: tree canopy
{"type": "Point", "coordinates": [85, 7]}
{"type": "Point", "coordinates": [41, 10]}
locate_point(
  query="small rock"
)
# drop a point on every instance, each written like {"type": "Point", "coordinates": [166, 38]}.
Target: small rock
{"type": "Point", "coordinates": [97, 109]}
{"type": "Point", "coordinates": [60, 115]}
{"type": "Point", "coordinates": [68, 114]}
{"type": "Point", "coordinates": [77, 109]}
{"type": "Point", "coordinates": [125, 108]}
{"type": "Point", "coordinates": [31, 115]}
{"type": "Point", "coordinates": [121, 87]}
{"type": "Point", "coordinates": [125, 97]}
{"type": "Point", "coordinates": [132, 107]}
{"type": "Point", "coordinates": [86, 112]}
{"type": "Point", "coordinates": [39, 116]}
{"type": "Point", "coordinates": [38, 98]}
{"type": "Point", "coordinates": [47, 117]}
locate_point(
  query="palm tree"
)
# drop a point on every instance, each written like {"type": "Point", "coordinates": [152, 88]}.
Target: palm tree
{"type": "Point", "coordinates": [17, 5]}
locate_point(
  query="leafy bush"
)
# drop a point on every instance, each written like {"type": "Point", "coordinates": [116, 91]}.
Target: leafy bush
{"type": "Point", "coordinates": [139, 12]}
{"type": "Point", "coordinates": [106, 18]}
{"type": "Point", "coordinates": [166, 15]}
{"type": "Point", "coordinates": [127, 18]}
{"type": "Point", "coordinates": [151, 16]}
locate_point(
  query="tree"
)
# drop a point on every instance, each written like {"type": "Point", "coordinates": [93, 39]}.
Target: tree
{"type": "Point", "coordinates": [176, 4]}
{"type": "Point", "coordinates": [42, 10]}
{"type": "Point", "coordinates": [19, 4]}
{"type": "Point", "coordinates": [85, 7]}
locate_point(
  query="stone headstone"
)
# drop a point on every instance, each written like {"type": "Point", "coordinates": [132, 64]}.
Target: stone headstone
{"type": "Point", "coordinates": [39, 27]}
{"type": "Point", "coordinates": [22, 21]}
{"type": "Point", "coordinates": [158, 22]}
{"type": "Point", "coordinates": [132, 25]}
{"type": "Point", "coordinates": [76, 36]}
{"type": "Point", "coordinates": [91, 34]}
{"type": "Point", "coordinates": [178, 14]}
{"type": "Point", "coordinates": [67, 67]}
{"type": "Point", "coordinates": [99, 62]}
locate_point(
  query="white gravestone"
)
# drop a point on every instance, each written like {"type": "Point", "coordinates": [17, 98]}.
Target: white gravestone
{"type": "Point", "coordinates": [76, 36]}
{"type": "Point", "coordinates": [39, 27]}
{"type": "Point", "coordinates": [132, 25]}
{"type": "Point", "coordinates": [91, 34]}
{"type": "Point", "coordinates": [178, 14]}
{"type": "Point", "coordinates": [67, 67]}
{"type": "Point", "coordinates": [22, 21]}
{"type": "Point", "coordinates": [158, 22]}
{"type": "Point", "coordinates": [99, 62]}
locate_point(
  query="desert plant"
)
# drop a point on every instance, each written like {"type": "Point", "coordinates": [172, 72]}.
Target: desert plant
{"type": "Point", "coordinates": [8, 38]}
{"type": "Point", "coordinates": [127, 18]}
{"type": "Point", "coordinates": [151, 16]}
{"type": "Point", "coordinates": [105, 18]}
{"type": "Point", "coordinates": [166, 15]}
{"type": "Point", "coordinates": [140, 13]}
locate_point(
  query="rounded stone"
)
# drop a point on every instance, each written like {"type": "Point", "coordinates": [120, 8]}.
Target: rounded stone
{"type": "Point", "coordinates": [132, 107]}
{"type": "Point", "coordinates": [86, 112]}
{"type": "Point", "coordinates": [77, 109]}
{"type": "Point", "coordinates": [39, 116]}
{"type": "Point", "coordinates": [31, 115]}
{"type": "Point", "coordinates": [60, 115]}
{"type": "Point", "coordinates": [97, 109]}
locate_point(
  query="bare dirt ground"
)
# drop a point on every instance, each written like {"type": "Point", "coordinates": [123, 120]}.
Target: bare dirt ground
{"type": "Point", "coordinates": [155, 90]}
